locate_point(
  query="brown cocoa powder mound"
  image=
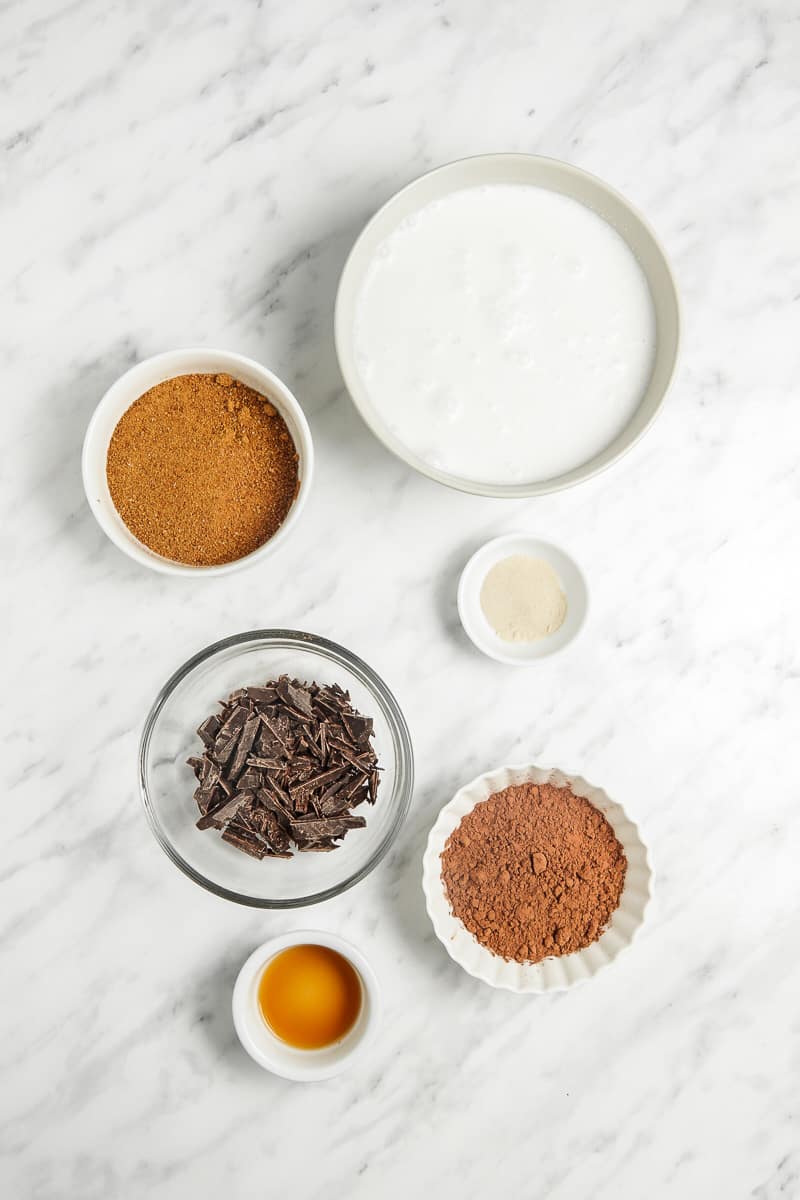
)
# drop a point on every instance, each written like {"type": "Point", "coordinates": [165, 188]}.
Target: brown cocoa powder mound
{"type": "Point", "coordinates": [202, 469]}
{"type": "Point", "coordinates": [534, 871]}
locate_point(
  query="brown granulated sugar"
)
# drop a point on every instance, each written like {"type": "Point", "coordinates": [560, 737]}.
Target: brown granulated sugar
{"type": "Point", "coordinates": [534, 871]}
{"type": "Point", "coordinates": [202, 469]}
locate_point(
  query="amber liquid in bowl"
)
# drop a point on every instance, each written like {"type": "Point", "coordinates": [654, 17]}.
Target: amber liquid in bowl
{"type": "Point", "coordinates": [310, 996]}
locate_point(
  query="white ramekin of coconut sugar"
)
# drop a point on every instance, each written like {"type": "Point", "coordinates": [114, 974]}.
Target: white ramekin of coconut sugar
{"type": "Point", "coordinates": [507, 325]}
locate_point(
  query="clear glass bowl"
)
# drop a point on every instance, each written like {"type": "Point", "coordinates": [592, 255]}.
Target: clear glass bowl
{"type": "Point", "coordinates": [167, 783]}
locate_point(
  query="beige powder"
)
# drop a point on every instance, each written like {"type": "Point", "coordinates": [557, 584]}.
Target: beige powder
{"type": "Point", "coordinates": [522, 599]}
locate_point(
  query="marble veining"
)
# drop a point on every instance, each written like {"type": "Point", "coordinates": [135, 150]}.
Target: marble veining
{"type": "Point", "coordinates": [194, 173]}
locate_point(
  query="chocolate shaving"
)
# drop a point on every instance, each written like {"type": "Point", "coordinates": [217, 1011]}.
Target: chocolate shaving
{"type": "Point", "coordinates": [261, 695]}
{"type": "Point", "coordinates": [317, 782]}
{"type": "Point", "coordinates": [242, 839]}
{"type": "Point", "coordinates": [244, 746]}
{"type": "Point", "coordinates": [325, 827]}
{"type": "Point", "coordinates": [285, 763]}
{"type": "Point", "coordinates": [266, 764]}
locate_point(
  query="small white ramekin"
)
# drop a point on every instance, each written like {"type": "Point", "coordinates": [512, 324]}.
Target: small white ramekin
{"type": "Point", "coordinates": [478, 629]}
{"type": "Point", "coordinates": [305, 1066]}
{"type": "Point", "coordinates": [551, 974]}
{"type": "Point", "coordinates": [134, 383]}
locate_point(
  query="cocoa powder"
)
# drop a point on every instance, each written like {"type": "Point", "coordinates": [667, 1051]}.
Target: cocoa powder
{"type": "Point", "coordinates": [202, 469]}
{"type": "Point", "coordinates": [534, 871]}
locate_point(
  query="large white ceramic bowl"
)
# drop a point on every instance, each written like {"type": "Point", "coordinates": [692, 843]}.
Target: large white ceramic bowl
{"type": "Point", "coordinates": [134, 383]}
{"type": "Point", "coordinates": [555, 176]}
{"type": "Point", "coordinates": [551, 974]}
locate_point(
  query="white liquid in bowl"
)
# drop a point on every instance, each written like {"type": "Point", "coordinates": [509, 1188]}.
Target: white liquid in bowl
{"type": "Point", "coordinates": [505, 333]}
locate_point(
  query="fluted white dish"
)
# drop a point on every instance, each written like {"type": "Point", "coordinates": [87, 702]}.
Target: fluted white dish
{"type": "Point", "coordinates": [555, 973]}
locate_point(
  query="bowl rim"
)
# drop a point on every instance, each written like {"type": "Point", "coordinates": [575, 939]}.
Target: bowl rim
{"type": "Point", "coordinates": [527, 978]}
{"type": "Point", "coordinates": [278, 392]}
{"type": "Point", "coordinates": [510, 491]}
{"type": "Point", "coordinates": [334, 652]}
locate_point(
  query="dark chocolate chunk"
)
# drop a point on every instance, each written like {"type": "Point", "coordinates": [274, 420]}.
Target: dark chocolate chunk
{"type": "Point", "coordinates": [325, 827]}
{"type": "Point", "coordinates": [244, 746]}
{"type": "Point", "coordinates": [362, 762]}
{"type": "Point", "coordinates": [261, 695]}
{"type": "Point", "coordinates": [251, 779]}
{"type": "Point", "coordinates": [359, 728]}
{"type": "Point", "coordinates": [270, 785]}
{"type": "Point", "coordinates": [206, 797]}
{"type": "Point", "coordinates": [277, 835]}
{"type": "Point", "coordinates": [243, 840]}
{"type": "Point", "coordinates": [208, 822]}
{"type": "Point", "coordinates": [335, 799]}
{"type": "Point", "coordinates": [209, 729]}
{"type": "Point", "coordinates": [294, 696]}
{"type": "Point", "coordinates": [228, 810]}
{"type": "Point", "coordinates": [317, 782]}
{"type": "Point", "coordinates": [235, 717]}
{"type": "Point", "coordinates": [278, 731]}
{"type": "Point", "coordinates": [273, 804]}
{"type": "Point", "coordinates": [223, 748]}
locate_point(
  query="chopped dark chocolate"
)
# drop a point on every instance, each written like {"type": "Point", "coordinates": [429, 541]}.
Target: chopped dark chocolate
{"type": "Point", "coordinates": [283, 763]}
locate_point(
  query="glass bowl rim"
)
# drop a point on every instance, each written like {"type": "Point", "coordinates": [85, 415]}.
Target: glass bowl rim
{"type": "Point", "coordinates": [334, 652]}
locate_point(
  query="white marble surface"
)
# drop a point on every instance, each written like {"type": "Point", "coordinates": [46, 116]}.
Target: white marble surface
{"type": "Point", "coordinates": [181, 173]}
